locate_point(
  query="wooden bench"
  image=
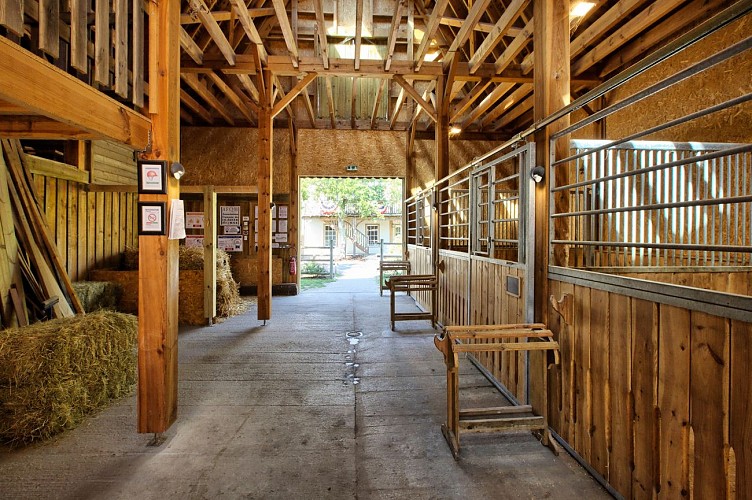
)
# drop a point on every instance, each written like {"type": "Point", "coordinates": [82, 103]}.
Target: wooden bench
{"type": "Point", "coordinates": [411, 283]}
{"type": "Point", "coordinates": [496, 338]}
{"type": "Point", "coordinates": [391, 265]}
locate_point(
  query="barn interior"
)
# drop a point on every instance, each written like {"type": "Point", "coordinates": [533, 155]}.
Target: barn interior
{"type": "Point", "coordinates": [586, 166]}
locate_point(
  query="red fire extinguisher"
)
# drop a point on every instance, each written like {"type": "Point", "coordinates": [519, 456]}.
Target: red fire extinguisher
{"type": "Point", "coordinates": [293, 266]}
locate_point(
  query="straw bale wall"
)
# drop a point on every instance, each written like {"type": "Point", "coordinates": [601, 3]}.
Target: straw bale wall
{"type": "Point", "coordinates": [718, 84]}
{"type": "Point", "coordinates": [229, 157]}
{"type": "Point", "coordinates": [328, 152]}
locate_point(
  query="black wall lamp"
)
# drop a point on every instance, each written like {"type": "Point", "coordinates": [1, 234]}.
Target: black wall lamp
{"type": "Point", "coordinates": [537, 174]}
{"type": "Point", "coordinates": [177, 170]}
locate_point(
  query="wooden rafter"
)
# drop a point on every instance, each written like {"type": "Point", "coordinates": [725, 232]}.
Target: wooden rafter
{"type": "Point", "coordinates": [469, 99]}
{"type": "Point", "coordinates": [621, 10]}
{"type": "Point", "coordinates": [249, 27]}
{"type": "Point", "coordinates": [377, 102]}
{"type": "Point", "coordinates": [358, 31]}
{"type": "Point", "coordinates": [491, 99]}
{"type": "Point", "coordinates": [627, 31]}
{"type": "Point", "coordinates": [476, 12]}
{"type": "Point", "coordinates": [40, 127]}
{"type": "Point", "coordinates": [321, 31]}
{"type": "Point", "coordinates": [231, 95]}
{"type": "Point", "coordinates": [429, 109]}
{"type": "Point", "coordinates": [510, 15]}
{"type": "Point", "coordinates": [514, 113]}
{"type": "Point", "coordinates": [514, 48]}
{"type": "Point", "coordinates": [392, 40]}
{"type": "Point", "coordinates": [284, 24]}
{"type": "Point", "coordinates": [248, 85]}
{"type": "Point", "coordinates": [194, 106]}
{"type": "Point", "coordinates": [397, 107]}
{"type": "Point", "coordinates": [191, 47]}
{"type": "Point", "coordinates": [203, 91]}
{"type": "Point", "coordinates": [520, 93]}
{"type": "Point", "coordinates": [428, 96]}
{"type": "Point", "coordinates": [227, 15]}
{"type": "Point", "coordinates": [309, 109]}
{"type": "Point", "coordinates": [216, 33]}
{"type": "Point", "coordinates": [431, 27]}
{"type": "Point", "coordinates": [297, 89]}
{"type": "Point", "coordinates": [330, 100]}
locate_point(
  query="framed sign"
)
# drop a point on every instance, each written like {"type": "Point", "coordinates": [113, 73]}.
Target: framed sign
{"type": "Point", "coordinates": [151, 218]}
{"type": "Point", "coordinates": [152, 177]}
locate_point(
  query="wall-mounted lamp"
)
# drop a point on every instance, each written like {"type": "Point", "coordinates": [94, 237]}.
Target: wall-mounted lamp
{"type": "Point", "coordinates": [537, 174]}
{"type": "Point", "coordinates": [177, 170]}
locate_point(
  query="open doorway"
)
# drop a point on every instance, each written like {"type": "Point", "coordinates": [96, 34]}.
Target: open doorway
{"type": "Point", "coordinates": [347, 221]}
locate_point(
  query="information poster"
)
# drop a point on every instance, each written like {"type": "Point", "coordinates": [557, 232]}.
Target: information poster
{"type": "Point", "coordinates": [194, 241]}
{"type": "Point", "coordinates": [230, 243]}
{"type": "Point", "coordinates": [229, 216]}
{"type": "Point", "coordinates": [194, 220]}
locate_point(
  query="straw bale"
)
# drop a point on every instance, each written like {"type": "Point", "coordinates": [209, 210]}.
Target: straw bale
{"type": "Point", "coordinates": [95, 295]}
{"type": "Point", "coordinates": [54, 373]}
{"type": "Point", "coordinates": [130, 258]}
{"type": "Point", "coordinates": [191, 298]}
{"type": "Point", "coordinates": [128, 282]}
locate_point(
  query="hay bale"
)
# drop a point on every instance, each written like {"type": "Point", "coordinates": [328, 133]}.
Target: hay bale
{"type": "Point", "coordinates": [128, 281]}
{"type": "Point", "coordinates": [54, 373]}
{"type": "Point", "coordinates": [130, 258]}
{"type": "Point", "coordinates": [95, 295]}
{"type": "Point", "coordinates": [191, 298]}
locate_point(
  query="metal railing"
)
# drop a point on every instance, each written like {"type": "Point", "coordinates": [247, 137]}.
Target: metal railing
{"type": "Point", "coordinates": [418, 219]}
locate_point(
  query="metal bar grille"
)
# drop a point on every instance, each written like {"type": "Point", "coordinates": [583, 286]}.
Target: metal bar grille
{"type": "Point", "coordinates": [658, 203]}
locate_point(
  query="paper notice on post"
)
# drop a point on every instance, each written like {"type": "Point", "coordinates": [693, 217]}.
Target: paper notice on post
{"type": "Point", "coordinates": [177, 220]}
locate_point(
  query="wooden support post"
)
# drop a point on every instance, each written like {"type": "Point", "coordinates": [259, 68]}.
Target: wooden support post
{"type": "Point", "coordinates": [293, 213]}
{"type": "Point", "coordinates": [441, 171]}
{"type": "Point", "coordinates": [158, 256]}
{"type": "Point", "coordinates": [551, 94]}
{"type": "Point", "coordinates": [210, 254]}
{"type": "Point", "coordinates": [265, 189]}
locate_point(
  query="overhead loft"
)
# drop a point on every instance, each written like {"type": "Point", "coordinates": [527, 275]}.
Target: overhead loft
{"type": "Point", "coordinates": [485, 52]}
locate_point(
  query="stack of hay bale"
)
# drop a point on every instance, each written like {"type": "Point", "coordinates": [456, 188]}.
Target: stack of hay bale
{"type": "Point", "coordinates": [54, 373]}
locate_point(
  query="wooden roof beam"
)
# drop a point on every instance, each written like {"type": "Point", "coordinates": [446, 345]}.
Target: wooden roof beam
{"type": "Point", "coordinates": [520, 93]}
{"type": "Point", "coordinates": [358, 32]}
{"type": "Point", "coordinates": [377, 102]}
{"type": "Point", "coordinates": [190, 47]}
{"type": "Point", "coordinates": [392, 40]}
{"type": "Point", "coordinates": [194, 106]}
{"type": "Point", "coordinates": [479, 27]}
{"type": "Point", "coordinates": [514, 113]}
{"type": "Point", "coordinates": [605, 22]}
{"type": "Point", "coordinates": [249, 27]}
{"type": "Point", "coordinates": [330, 100]}
{"type": "Point", "coordinates": [491, 99]}
{"type": "Point", "coordinates": [321, 27]}
{"type": "Point", "coordinates": [429, 109]}
{"type": "Point", "coordinates": [40, 87]}
{"type": "Point", "coordinates": [284, 25]}
{"type": "Point", "coordinates": [216, 33]}
{"type": "Point", "coordinates": [510, 15]}
{"type": "Point", "coordinates": [297, 89]}
{"type": "Point", "coordinates": [476, 12]}
{"type": "Point", "coordinates": [431, 27]}
{"type": "Point", "coordinates": [227, 15]}
{"type": "Point", "coordinates": [641, 21]}
{"type": "Point", "coordinates": [514, 48]}
{"type": "Point", "coordinates": [206, 94]}
{"type": "Point", "coordinates": [309, 109]}
{"type": "Point", "coordinates": [397, 107]}
{"type": "Point", "coordinates": [248, 85]}
{"type": "Point", "coordinates": [231, 95]}
{"type": "Point", "coordinates": [469, 99]}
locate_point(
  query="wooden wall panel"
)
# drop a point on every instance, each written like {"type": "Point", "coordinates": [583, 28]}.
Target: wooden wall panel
{"type": "Point", "coordinates": [112, 164]}
{"type": "Point", "coordinates": [654, 397]}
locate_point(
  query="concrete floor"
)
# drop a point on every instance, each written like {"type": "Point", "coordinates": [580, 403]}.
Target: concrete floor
{"type": "Point", "coordinates": [296, 409]}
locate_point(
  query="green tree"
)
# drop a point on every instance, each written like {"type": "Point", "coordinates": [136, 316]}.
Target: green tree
{"type": "Point", "coordinates": [352, 196]}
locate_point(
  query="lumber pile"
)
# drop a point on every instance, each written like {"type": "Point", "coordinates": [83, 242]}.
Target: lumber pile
{"type": "Point", "coordinates": [33, 281]}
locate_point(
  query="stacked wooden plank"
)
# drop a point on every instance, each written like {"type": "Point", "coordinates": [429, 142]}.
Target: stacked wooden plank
{"type": "Point", "coordinates": [33, 279]}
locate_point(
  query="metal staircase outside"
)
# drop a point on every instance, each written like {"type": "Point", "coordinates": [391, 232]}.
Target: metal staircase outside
{"type": "Point", "coordinates": [356, 236]}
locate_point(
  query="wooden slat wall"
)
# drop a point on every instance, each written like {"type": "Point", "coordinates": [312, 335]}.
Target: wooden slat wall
{"type": "Point", "coordinates": [91, 229]}
{"type": "Point", "coordinates": [729, 281]}
{"type": "Point", "coordinates": [453, 289]}
{"type": "Point", "coordinates": [420, 263]}
{"type": "Point", "coordinates": [655, 397]}
{"type": "Point", "coordinates": [112, 164]}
